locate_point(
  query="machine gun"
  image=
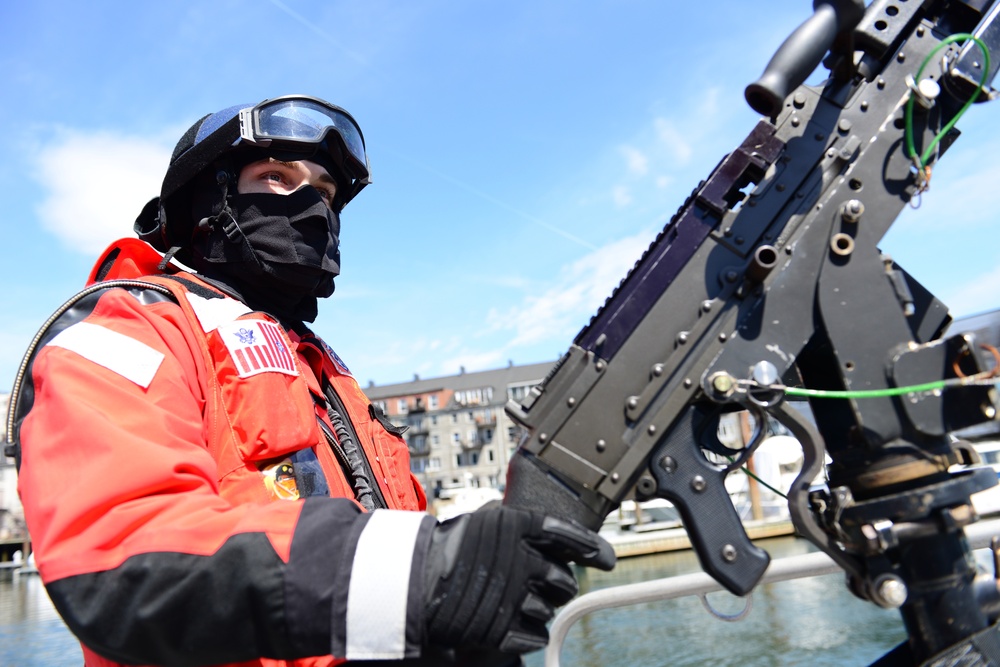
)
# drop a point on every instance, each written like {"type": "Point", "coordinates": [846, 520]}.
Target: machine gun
{"type": "Point", "coordinates": [767, 286]}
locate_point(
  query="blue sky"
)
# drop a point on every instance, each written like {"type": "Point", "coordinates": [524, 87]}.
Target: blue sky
{"type": "Point", "coordinates": [523, 153]}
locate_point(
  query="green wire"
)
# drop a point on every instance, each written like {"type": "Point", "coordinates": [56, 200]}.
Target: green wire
{"type": "Point", "coordinates": [762, 482]}
{"type": "Point", "coordinates": [909, 104]}
{"type": "Point", "coordinates": [759, 480]}
{"type": "Point", "coordinates": [865, 393]}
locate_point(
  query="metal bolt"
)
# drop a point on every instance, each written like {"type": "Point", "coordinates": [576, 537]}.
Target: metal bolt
{"type": "Point", "coordinates": [688, 383]}
{"type": "Point", "coordinates": [570, 401]}
{"type": "Point", "coordinates": [632, 402]}
{"type": "Point", "coordinates": [731, 276]}
{"type": "Point", "coordinates": [615, 477]}
{"type": "Point", "coordinates": [722, 383]}
{"type": "Point", "coordinates": [657, 370]}
{"type": "Point", "coordinates": [652, 429]}
{"type": "Point", "coordinates": [901, 57]}
{"type": "Point", "coordinates": [601, 445]}
{"type": "Point", "coordinates": [892, 592]}
{"type": "Point", "coordinates": [864, 105]}
{"type": "Point", "coordinates": [880, 83]}
{"type": "Point", "coordinates": [723, 337]}
{"type": "Point", "coordinates": [989, 411]}
{"type": "Point", "coordinates": [729, 553]}
{"type": "Point", "coordinates": [682, 337]}
{"type": "Point", "coordinates": [799, 100]}
{"type": "Point", "coordinates": [542, 437]}
{"type": "Point", "coordinates": [765, 373]}
{"type": "Point", "coordinates": [600, 365]}
{"type": "Point", "coordinates": [668, 464]}
{"type": "Point", "coordinates": [852, 210]}
{"type": "Point", "coordinates": [706, 305]}
{"type": "Point", "coordinates": [795, 121]}
{"type": "Point", "coordinates": [844, 125]}
{"type": "Point", "coordinates": [698, 483]}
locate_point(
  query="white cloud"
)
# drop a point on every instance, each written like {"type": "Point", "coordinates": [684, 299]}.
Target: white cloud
{"type": "Point", "coordinates": [621, 195]}
{"type": "Point", "coordinates": [636, 160]}
{"type": "Point", "coordinates": [976, 295]}
{"type": "Point", "coordinates": [678, 147]}
{"type": "Point", "coordinates": [580, 289]}
{"type": "Point", "coordinates": [97, 184]}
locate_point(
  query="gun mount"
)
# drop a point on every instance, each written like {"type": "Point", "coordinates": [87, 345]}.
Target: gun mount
{"type": "Point", "coordinates": [768, 285]}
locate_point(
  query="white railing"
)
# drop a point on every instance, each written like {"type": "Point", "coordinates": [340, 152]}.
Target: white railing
{"type": "Point", "coordinates": [815, 564]}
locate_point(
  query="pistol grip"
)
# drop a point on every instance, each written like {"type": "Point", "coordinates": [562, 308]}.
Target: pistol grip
{"type": "Point", "coordinates": [697, 488]}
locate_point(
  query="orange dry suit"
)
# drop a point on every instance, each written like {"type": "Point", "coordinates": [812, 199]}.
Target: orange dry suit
{"type": "Point", "coordinates": [195, 480]}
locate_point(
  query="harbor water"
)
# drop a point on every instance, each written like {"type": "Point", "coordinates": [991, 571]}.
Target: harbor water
{"type": "Point", "coordinates": [812, 621]}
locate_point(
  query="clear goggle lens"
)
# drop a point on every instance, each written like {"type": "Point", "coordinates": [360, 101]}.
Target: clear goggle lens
{"type": "Point", "coordinates": [304, 122]}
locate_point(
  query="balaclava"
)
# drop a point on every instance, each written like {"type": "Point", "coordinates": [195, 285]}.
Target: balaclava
{"type": "Point", "coordinates": [278, 252]}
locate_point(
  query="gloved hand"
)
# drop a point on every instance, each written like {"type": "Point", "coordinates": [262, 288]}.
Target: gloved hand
{"type": "Point", "coordinates": [494, 577]}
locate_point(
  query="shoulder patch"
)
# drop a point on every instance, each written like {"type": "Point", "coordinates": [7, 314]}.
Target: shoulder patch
{"type": "Point", "coordinates": [214, 312]}
{"type": "Point", "coordinates": [337, 361]}
{"type": "Point", "coordinates": [126, 356]}
{"type": "Point", "coordinates": [258, 346]}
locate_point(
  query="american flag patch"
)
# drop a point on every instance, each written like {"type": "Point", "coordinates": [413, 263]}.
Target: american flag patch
{"type": "Point", "coordinates": [257, 346]}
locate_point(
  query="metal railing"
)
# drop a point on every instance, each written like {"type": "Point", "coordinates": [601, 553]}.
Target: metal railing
{"type": "Point", "coordinates": [815, 564]}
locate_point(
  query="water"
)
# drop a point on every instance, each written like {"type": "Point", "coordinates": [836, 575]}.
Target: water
{"type": "Point", "coordinates": [31, 632]}
{"type": "Point", "coordinates": [811, 621]}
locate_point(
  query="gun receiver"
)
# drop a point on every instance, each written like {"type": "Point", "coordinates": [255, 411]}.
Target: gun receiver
{"type": "Point", "coordinates": [769, 276]}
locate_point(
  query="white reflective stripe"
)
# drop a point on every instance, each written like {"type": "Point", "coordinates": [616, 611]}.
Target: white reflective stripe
{"type": "Point", "coordinates": [117, 352]}
{"type": "Point", "coordinates": [213, 313]}
{"type": "Point", "coordinates": [380, 582]}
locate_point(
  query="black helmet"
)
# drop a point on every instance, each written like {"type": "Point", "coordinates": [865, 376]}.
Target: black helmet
{"type": "Point", "coordinates": [293, 127]}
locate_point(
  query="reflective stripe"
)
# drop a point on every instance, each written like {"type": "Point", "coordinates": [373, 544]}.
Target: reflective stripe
{"type": "Point", "coordinates": [117, 352]}
{"type": "Point", "coordinates": [380, 581]}
{"type": "Point", "coordinates": [215, 312]}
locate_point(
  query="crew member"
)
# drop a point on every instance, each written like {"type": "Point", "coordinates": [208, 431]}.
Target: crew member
{"type": "Point", "coordinates": [203, 479]}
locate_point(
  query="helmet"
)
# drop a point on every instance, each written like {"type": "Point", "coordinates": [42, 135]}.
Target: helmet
{"type": "Point", "coordinates": [293, 127]}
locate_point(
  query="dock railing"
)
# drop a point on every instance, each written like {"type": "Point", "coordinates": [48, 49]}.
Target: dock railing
{"type": "Point", "coordinates": [814, 564]}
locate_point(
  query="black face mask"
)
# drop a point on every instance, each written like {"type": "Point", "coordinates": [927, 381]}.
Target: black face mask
{"type": "Point", "coordinates": [280, 252]}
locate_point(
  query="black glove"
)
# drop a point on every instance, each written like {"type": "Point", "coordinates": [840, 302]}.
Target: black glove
{"type": "Point", "coordinates": [494, 577]}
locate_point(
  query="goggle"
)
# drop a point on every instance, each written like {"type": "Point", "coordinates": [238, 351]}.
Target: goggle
{"type": "Point", "coordinates": [303, 124]}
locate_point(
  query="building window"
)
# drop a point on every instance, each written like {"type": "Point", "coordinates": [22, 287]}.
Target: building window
{"type": "Point", "coordinates": [519, 391]}
{"type": "Point", "coordinates": [434, 463]}
{"type": "Point", "coordinates": [480, 396]}
{"type": "Point", "coordinates": [489, 456]}
{"type": "Point", "coordinates": [434, 420]}
{"type": "Point", "coordinates": [454, 417]}
{"type": "Point", "coordinates": [401, 406]}
{"type": "Point", "coordinates": [432, 402]}
{"type": "Point", "coordinates": [435, 439]}
{"type": "Point", "coordinates": [456, 438]}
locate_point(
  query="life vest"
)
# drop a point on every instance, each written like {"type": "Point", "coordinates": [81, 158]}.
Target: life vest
{"type": "Point", "coordinates": [269, 394]}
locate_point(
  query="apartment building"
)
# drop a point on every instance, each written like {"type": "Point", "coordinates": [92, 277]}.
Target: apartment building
{"type": "Point", "coordinates": [11, 512]}
{"type": "Point", "coordinates": [459, 435]}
